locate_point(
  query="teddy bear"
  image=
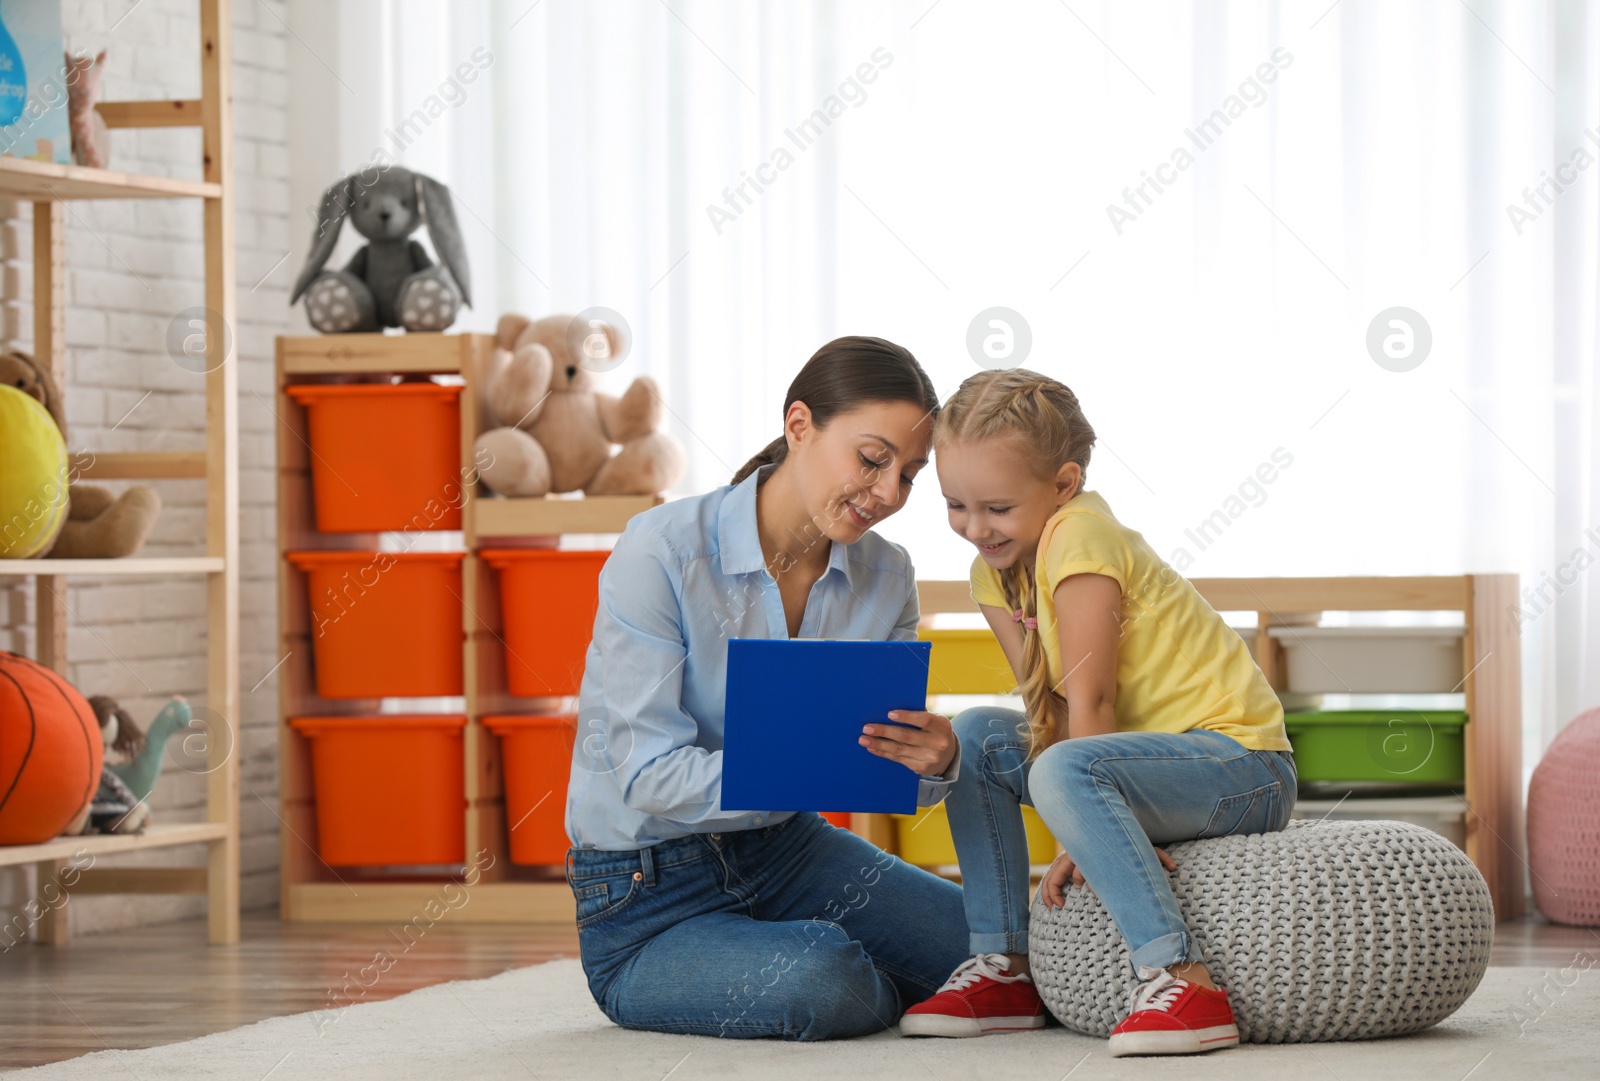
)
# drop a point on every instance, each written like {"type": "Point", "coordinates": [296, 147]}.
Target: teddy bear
{"type": "Point", "coordinates": [99, 524]}
{"type": "Point", "coordinates": [557, 431]}
{"type": "Point", "coordinates": [90, 141]}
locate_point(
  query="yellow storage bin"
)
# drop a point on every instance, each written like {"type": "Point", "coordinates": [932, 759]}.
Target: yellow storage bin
{"type": "Point", "coordinates": [924, 838]}
{"type": "Point", "coordinates": [966, 660]}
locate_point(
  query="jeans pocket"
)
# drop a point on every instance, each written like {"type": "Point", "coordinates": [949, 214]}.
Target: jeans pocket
{"type": "Point", "coordinates": [604, 898]}
{"type": "Point", "coordinates": [1248, 812]}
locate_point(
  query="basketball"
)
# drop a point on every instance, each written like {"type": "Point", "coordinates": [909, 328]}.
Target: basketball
{"type": "Point", "coordinates": [50, 752]}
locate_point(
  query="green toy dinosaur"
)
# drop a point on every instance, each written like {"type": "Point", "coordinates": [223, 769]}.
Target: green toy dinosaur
{"type": "Point", "coordinates": [121, 803]}
{"type": "Point", "coordinates": [141, 772]}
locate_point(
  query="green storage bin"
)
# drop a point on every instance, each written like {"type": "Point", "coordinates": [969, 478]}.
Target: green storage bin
{"type": "Point", "coordinates": [1396, 745]}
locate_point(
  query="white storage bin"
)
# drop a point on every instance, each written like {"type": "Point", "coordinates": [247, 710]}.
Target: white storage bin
{"type": "Point", "coordinates": [1371, 660]}
{"type": "Point", "coordinates": [1289, 699]}
{"type": "Point", "coordinates": [1444, 815]}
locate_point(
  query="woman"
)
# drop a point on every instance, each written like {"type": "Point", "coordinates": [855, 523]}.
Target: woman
{"type": "Point", "coordinates": [758, 923]}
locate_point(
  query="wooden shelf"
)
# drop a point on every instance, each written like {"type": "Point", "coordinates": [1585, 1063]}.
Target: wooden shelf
{"type": "Point", "coordinates": [494, 517]}
{"type": "Point", "coordinates": [166, 113]}
{"type": "Point", "coordinates": [362, 901]}
{"type": "Point", "coordinates": [504, 892]}
{"type": "Point", "coordinates": [1444, 806]}
{"type": "Point", "coordinates": [350, 354]}
{"type": "Point", "coordinates": [139, 464]}
{"type": "Point", "coordinates": [110, 844]}
{"type": "Point", "coordinates": [132, 566]}
{"type": "Point", "coordinates": [48, 186]}
{"type": "Point", "coordinates": [42, 181]}
{"type": "Point", "coordinates": [1491, 661]}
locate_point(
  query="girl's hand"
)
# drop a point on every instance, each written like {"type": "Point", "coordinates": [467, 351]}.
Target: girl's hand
{"type": "Point", "coordinates": [1055, 877]}
{"type": "Point", "coordinates": [1065, 868]}
{"type": "Point", "coordinates": [929, 748]}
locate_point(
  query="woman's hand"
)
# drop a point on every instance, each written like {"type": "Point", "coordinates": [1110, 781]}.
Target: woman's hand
{"type": "Point", "coordinates": [929, 748]}
{"type": "Point", "coordinates": [1065, 868]}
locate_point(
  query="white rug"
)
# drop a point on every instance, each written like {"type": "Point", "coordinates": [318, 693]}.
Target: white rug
{"type": "Point", "coordinates": [540, 1022]}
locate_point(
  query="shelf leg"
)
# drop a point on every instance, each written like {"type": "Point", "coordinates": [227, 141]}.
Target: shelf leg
{"type": "Point", "coordinates": [54, 922]}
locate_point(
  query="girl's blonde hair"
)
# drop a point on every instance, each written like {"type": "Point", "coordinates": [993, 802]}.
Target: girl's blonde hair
{"type": "Point", "coordinates": [1044, 418]}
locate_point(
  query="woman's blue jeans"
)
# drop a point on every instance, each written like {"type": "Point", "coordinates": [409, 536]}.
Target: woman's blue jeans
{"type": "Point", "coordinates": [799, 930]}
{"type": "Point", "coordinates": [1109, 800]}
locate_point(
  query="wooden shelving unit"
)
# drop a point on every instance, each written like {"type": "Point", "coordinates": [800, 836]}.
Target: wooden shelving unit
{"type": "Point", "coordinates": [1491, 662]}
{"type": "Point", "coordinates": [502, 892]}
{"type": "Point", "coordinates": [48, 186]}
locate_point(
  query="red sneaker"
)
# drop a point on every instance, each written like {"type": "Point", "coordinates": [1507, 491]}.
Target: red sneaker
{"type": "Point", "coordinates": [1170, 1016]}
{"type": "Point", "coordinates": [980, 997]}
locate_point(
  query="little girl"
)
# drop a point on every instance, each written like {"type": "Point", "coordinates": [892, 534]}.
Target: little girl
{"type": "Point", "coordinates": [1147, 722]}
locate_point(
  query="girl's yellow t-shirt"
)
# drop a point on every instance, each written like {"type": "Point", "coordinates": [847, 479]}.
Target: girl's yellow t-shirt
{"type": "Point", "coordinates": [1179, 664]}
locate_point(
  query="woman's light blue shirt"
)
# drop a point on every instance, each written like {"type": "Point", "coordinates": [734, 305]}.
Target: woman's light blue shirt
{"type": "Point", "coordinates": [683, 578]}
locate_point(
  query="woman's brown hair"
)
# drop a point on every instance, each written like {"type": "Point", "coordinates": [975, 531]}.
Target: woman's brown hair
{"type": "Point", "coordinates": [846, 374]}
{"type": "Point", "coordinates": [1044, 418]}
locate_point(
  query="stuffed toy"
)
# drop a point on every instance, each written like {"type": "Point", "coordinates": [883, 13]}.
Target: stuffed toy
{"type": "Point", "coordinates": [91, 144]}
{"type": "Point", "coordinates": [390, 281]}
{"type": "Point", "coordinates": [140, 772]}
{"type": "Point", "coordinates": [114, 807]}
{"type": "Point", "coordinates": [98, 524]}
{"type": "Point", "coordinates": [122, 802]}
{"type": "Point", "coordinates": [558, 431]}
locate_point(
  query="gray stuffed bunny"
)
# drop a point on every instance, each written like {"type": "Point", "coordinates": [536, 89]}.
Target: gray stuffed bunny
{"type": "Point", "coordinates": [390, 281]}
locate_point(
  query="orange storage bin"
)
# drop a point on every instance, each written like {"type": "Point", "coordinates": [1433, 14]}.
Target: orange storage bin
{"type": "Point", "coordinates": [384, 457]}
{"type": "Point", "coordinates": [548, 598]}
{"type": "Point", "coordinates": [385, 624]}
{"type": "Point", "coordinates": [537, 755]}
{"type": "Point", "coordinates": [838, 818]}
{"type": "Point", "coordinates": [390, 789]}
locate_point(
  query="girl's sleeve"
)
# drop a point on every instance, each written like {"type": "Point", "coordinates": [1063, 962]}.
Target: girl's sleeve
{"type": "Point", "coordinates": [649, 739]}
{"type": "Point", "coordinates": [1086, 544]}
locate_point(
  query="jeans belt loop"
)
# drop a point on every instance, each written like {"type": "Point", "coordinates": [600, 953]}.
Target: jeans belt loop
{"type": "Point", "coordinates": [647, 866]}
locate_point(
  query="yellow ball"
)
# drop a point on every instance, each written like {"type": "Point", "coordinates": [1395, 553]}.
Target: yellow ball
{"type": "Point", "coordinates": [33, 477]}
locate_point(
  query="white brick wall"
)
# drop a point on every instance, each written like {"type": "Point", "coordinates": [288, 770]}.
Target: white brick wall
{"type": "Point", "coordinates": [132, 265]}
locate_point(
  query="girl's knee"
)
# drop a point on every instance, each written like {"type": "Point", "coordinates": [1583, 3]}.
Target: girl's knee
{"type": "Point", "coordinates": [980, 728]}
{"type": "Point", "coordinates": [1063, 778]}
{"type": "Point", "coordinates": [1070, 762]}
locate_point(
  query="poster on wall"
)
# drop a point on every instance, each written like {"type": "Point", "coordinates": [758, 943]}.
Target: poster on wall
{"type": "Point", "coordinates": [33, 91]}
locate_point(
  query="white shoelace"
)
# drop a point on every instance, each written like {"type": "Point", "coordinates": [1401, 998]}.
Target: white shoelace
{"type": "Point", "coordinates": [973, 969]}
{"type": "Point", "coordinates": [1159, 991]}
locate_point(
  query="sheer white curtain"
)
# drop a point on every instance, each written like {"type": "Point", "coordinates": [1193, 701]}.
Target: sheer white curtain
{"type": "Point", "coordinates": [1198, 209]}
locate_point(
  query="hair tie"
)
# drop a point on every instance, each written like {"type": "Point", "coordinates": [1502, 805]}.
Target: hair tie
{"type": "Point", "coordinates": [1029, 622]}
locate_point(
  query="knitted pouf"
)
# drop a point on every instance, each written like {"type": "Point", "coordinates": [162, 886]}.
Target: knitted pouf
{"type": "Point", "coordinates": [1324, 931]}
{"type": "Point", "coordinates": [1564, 825]}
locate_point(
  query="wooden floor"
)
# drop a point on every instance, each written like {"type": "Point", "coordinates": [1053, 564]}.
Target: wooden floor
{"type": "Point", "coordinates": [160, 985]}
{"type": "Point", "coordinates": [163, 984]}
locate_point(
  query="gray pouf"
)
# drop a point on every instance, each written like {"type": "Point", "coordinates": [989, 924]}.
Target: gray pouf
{"type": "Point", "coordinates": [1324, 931]}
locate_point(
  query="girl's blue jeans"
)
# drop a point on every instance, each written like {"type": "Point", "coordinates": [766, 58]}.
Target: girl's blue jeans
{"type": "Point", "coordinates": [799, 930]}
{"type": "Point", "coordinates": [1109, 800]}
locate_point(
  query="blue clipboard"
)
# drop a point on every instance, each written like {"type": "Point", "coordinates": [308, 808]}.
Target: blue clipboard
{"type": "Point", "coordinates": [793, 717]}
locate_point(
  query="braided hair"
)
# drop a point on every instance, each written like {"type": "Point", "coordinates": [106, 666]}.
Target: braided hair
{"type": "Point", "coordinates": [1044, 418]}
